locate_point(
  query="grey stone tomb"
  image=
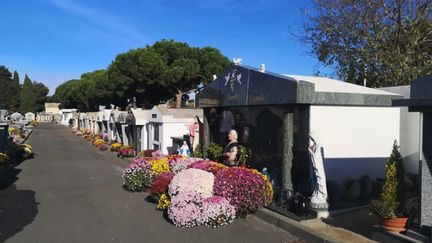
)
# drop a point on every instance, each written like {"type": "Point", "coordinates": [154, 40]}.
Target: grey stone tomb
{"type": "Point", "coordinates": [421, 101]}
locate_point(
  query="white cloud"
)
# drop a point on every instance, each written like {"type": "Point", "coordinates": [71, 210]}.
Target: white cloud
{"type": "Point", "coordinates": [101, 18]}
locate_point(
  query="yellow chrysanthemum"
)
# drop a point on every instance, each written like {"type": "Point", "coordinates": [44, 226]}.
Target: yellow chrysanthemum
{"type": "Point", "coordinates": [164, 202]}
{"type": "Point", "coordinates": [160, 165]}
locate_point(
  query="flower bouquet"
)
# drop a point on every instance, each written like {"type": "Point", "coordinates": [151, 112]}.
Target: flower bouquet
{"type": "Point", "coordinates": [126, 152]}
{"type": "Point", "coordinates": [246, 189]}
{"type": "Point", "coordinates": [115, 147]}
{"type": "Point", "coordinates": [138, 175]}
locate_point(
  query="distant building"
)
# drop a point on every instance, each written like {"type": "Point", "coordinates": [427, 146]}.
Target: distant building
{"type": "Point", "coordinates": [51, 113]}
{"type": "Point", "coordinates": [52, 108]}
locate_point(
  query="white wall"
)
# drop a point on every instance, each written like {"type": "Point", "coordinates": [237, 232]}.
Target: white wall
{"type": "Point", "coordinates": [172, 130]}
{"type": "Point", "coordinates": [66, 117]}
{"type": "Point", "coordinates": [355, 140]}
{"type": "Point", "coordinates": [166, 131]}
{"type": "Point", "coordinates": [410, 139]}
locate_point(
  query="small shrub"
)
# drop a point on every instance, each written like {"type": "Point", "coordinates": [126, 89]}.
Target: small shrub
{"type": "Point", "coordinates": [386, 205]}
{"type": "Point", "coordinates": [197, 152]}
{"type": "Point", "coordinates": [244, 155]}
{"type": "Point", "coordinates": [214, 152]}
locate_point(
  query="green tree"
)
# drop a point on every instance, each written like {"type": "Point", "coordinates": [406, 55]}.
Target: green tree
{"type": "Point", "coordinates": [397, 159]}
{"type": "Point", "coordinates": [33, 96]}
{"type": "Point", "coordinates": [385, 42]}
{"type": "Point", "coordinates": [186, 67]}
{"type": "Point", "coordinates": [63, 93]}
{"type": "Point", "coordinates": [137, 73]}
{"type": "Point", "coordinates": [40, 92]}
{"type": "Point", "coordinates": [5, 84]}
{"type": "Point", "coordinates": [26, 97]}
{"type": "Point", "coordinates": [85, 93]}
{"type": "Point", "coordinates": [152, 75]}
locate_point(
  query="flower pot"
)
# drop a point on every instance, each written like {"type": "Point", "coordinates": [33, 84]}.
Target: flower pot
{"type": "Point", "coordinates": [394, 225]}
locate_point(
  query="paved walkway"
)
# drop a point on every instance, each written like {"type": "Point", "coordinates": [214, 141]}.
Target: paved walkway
{"type": "Point", "coordinates": [69, 192]}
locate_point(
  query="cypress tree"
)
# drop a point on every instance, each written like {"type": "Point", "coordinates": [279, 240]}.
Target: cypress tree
{"type": "Point", "coordinates": [5, 83]}
{"type": "Point", "coordinates": [27, 102]}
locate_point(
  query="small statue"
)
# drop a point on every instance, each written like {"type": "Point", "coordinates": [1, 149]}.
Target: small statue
{"type": "Point", "coordinates": [318, 180]}
{"type": "Point", "coordinates": [231, 150]}
{"type": "Point", "coordinates": [184, 150]}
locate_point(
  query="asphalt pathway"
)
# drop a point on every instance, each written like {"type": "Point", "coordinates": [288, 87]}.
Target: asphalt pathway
{"type": "Point", "coordinates": [69, 192]}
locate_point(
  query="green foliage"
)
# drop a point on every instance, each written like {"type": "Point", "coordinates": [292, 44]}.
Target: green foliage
{"type": "Point", "coordinates": [244, 154]}
{"type": "Point", "coordinates": [197, 152]}
{"type": "Point", "coordinates": [386, 205]}
{"type": "Point", "coordinates": [393, 196]}
{"type": "Point", "coordinates": [27, 103]}
{"type": "Point", "coordinates": [385, 42]}
{"type": "Point", "coordinates": [86, 93]}
{"type": "Point", "coordinates": [152, 75]}
{"type": "Point", "coordinates": [397, 159]}
{"type": "Point", "coordinates": [186, 67]}
{"type": "Point", "coordinates": [32, 96]}
{"type": "Point", "coordinates": [214, 151]}
{"type": "Point", "coordinates": [5, 82]}
{"type": "Point", "coordinates": [137, 73]}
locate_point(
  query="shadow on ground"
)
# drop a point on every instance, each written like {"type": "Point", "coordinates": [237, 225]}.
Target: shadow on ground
{"type": "Point", "coordinates": [359, 222]}
{"type": "Point", "coordinates": [18, 208]}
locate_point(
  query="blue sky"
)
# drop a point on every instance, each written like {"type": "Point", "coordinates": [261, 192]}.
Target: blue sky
{"type": "Point", "coordinates": [56, 40]}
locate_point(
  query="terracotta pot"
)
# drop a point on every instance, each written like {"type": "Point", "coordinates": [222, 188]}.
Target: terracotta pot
{"type": "Point", "coordinates": [394, 225]}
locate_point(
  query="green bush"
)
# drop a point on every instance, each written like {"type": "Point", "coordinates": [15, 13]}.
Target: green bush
{"type": "Point", "coordinates": [215, 152]}
{"type": "Point", "coordinates": [393, 196]}
{"type": "Point", "coordinates": [396, 158]}
{"type": "Point", "coordinates": [386, 205]}
{"type": "Point", "coordinates": [197, 152]}
{"type": "Point", "coordinates": [244, 154]}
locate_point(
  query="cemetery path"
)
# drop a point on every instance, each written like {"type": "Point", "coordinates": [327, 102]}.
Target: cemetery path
{"type": "Point", "coordinates": [69, 192]}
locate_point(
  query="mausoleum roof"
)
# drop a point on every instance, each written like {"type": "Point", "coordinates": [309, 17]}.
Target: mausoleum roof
{"type": "Point", "coordinates": [247, 86]}
{"type": "Point", "coordinates": [324, 84]}
{"type": "Point", "coordinates": [141, 116]}
{"type": "Point", "coordinates": [420, 95]}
